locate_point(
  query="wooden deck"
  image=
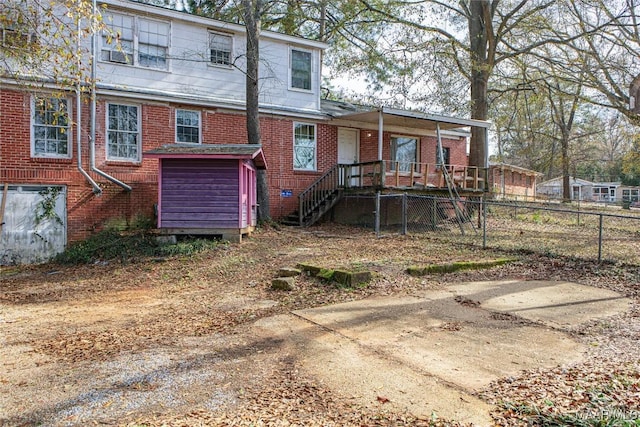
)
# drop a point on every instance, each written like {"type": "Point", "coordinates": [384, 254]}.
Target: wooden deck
{"type": "Point", "coordinates": [387, 174]}
{"type": "Point", "coordinates": [382, 175]}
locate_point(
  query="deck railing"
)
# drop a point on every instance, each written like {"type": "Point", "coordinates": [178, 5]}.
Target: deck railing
{"type": "Point", "coordinates": [413, 174]}
{"type": "Point", "coordinates": [324, 192]}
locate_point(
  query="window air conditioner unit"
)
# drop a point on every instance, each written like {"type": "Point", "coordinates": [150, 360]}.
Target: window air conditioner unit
{"type": "Point", "coordinates": [117, 56]}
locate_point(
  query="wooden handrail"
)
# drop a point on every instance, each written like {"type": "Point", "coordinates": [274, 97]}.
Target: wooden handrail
{"type": "Point", "coordinates": [340, 176]}
{"type": "Point", "coordinates": [425, 174]}
{"type": "Point", "coordinates": [320, 190]}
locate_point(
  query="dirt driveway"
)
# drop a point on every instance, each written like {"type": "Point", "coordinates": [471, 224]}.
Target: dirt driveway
{"type": "Point", "coordinates": [172, 342]}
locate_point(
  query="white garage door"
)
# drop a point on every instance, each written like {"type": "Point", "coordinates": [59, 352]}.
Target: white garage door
{"type": "Point", "coordinates": [34, 223]}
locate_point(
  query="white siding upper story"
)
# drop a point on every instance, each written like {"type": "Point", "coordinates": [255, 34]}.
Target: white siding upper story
{"type": "Point", "coordinates": [177, 56]}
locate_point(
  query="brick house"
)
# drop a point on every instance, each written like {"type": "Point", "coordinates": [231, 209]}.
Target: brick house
{"type": "Point", "coordinates": [176, 81]}
{"type": "Point", "coordinates": [512, 182]}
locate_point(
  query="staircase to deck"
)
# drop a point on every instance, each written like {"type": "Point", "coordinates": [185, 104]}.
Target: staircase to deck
{"type": "Point", "coordinates": [326, 191]}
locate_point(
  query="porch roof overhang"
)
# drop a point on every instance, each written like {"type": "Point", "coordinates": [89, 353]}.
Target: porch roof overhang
{"type": "Point", "coordinates": [210, 151]}
{"type": "Point", "coordinates": [413, 119]}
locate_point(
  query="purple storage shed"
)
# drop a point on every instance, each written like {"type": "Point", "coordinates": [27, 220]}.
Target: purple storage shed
{"type": "Point", "coordinates": [208, 189]}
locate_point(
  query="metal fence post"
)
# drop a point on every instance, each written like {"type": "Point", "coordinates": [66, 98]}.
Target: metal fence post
{"type": "Point", "coordinates": [404, 213]}
{"type": "Point", "coordinates": [377, 221]}
{"type": "Point", "coordinates": [484, 223]}
{"type": "Point", "coordinates": [600, 240]}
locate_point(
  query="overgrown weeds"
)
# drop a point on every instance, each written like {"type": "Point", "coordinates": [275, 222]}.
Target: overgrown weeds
{"type": "Point", "coordinates": [112, 244]}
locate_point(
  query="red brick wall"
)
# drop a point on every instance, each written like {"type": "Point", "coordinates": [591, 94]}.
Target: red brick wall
{"type": "Point", "coordinates": [88, 213]}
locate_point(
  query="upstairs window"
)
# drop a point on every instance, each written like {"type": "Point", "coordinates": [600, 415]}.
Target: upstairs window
{"type": "Point", "coordinates": [304, 146]}
{"type": "Point", "coordinates": [17, 26]}
{"type": "Point", "coordinates": [123, 132]}
{"type": "Point", "coordinates": [220, 49]}
{"type": "Point", "coordinates": [188, 126]}
{"type": "Point", "coordinates": [51, 134]}
{"type": "Point", "coordinates": [135, 41]}
{"type": "Point", "coordinates": [404, 153]}
{"type": "Point", "coordinates": [300, 69]}
{"type": "Point", "coordinates": [153, 41]}
{"type": "Point", "coordinates": [117, 43]}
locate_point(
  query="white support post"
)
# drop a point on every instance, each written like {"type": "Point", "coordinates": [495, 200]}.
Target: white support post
{"type": "Point", "coordinates": [380, 130]}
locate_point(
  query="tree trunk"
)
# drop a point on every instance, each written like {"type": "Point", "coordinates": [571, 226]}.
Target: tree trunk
{"type": "Point", "coordinates": [252, 13]}
{"type": "Point", "coordinates": [566, 182]}
{"type": "Point", "coordinates": [480, 70]}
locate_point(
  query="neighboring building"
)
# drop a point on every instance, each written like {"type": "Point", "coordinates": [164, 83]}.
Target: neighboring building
{"type": "Point", "coordinates": [174, 87]}
{"type": "Point", "coordinates": [629, 194]}
{"type": "Point", "coordinates": [512, 182]}
{"type": "Point", "coordinates": [581, 189]}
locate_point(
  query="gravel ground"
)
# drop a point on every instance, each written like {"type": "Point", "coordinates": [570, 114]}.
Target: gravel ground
{"type": "Point", "coordinates": [166, 342]}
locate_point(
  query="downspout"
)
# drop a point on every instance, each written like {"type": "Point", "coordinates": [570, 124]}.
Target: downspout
{"type": "Point", "coordinates": [96, 188]}
{"type": "Point", "coordinates": [92, 136]}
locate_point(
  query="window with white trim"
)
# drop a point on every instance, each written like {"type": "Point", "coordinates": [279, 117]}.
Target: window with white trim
{"type": "Point", "coordinates": [123, 132]}
{"type": "Point", "coordinates": [220, 48]}
{"type": "Point", "coordinates": [300, 68]}
{"type": "Point", "coordinates": [135, 41]}
{"type": "Point", "coordinates": [17, 26]}
{"type": "Point", "coordinates": [630, 195]}
{"type": "Point", "coordinates": [153, 42]}
{"type": "Point", "coordinates": [188, 126]}
{"type": "Point", "coordinates": [404, 153]}
{"type": "Point", "coordinates": [304, 146]}
{"type": "Point", "coordinates": [51, 132]}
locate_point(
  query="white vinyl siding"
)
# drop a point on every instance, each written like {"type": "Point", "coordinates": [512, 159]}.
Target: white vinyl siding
{"type": "Point", "coordinates": [190, 71]}
{"type": "Point", "coordinates": [304, 146]}
{"type": "Point", "coordinates": [123, 132]}
{"type": "Point", "coordinates": [51, 133]}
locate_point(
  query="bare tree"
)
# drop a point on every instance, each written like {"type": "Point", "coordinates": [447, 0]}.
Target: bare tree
{"type": "Point", "coordinates": [252, 12]}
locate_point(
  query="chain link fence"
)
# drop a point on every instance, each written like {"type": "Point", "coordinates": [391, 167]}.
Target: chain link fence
{"type": "Point", "coordinates": [598, 233]}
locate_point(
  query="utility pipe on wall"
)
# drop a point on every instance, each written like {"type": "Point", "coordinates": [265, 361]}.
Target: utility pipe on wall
{"type": "Point", "coordinates": [92, 136]}
{"type": "Point", "coordinates": [96, 187]}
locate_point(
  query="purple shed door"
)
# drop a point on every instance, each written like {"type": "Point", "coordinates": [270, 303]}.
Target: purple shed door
{"type": "Point", "coordinates": [199, 193]}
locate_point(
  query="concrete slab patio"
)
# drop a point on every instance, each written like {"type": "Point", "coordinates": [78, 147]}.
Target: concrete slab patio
{"type": "Point", "coordinates": [428, 353]}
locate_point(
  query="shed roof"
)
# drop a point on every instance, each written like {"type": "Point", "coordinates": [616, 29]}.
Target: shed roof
{"type": "Point", "coordinates": [515, 168]}
{"type": "Point", "coordinates": [210, 151]}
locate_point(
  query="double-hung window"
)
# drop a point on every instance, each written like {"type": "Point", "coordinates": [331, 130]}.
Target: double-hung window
{"type": "Point", "coordinates": [123, 132]}
{"type": "Point", "coordinates": [18, 23]}
{"type": "Point", "coordinates": [304, 146]}
{"type": "Point", "coordinates": [51, 133]}
{"type": "Point", "coordinates": [135, 41]}
{"type": "Point", "coordinates": [404, 153]}
{"type": "Point", "coordinates": [153, 42]}
{"type": "Point", "coordinates": [300, 69]}
{"type": "Point", "coordinates": [188, 126]}
{"type": "Point", "coordinates": [220, 47]}
{"type": "Point", "coordinates": [117, 40]}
